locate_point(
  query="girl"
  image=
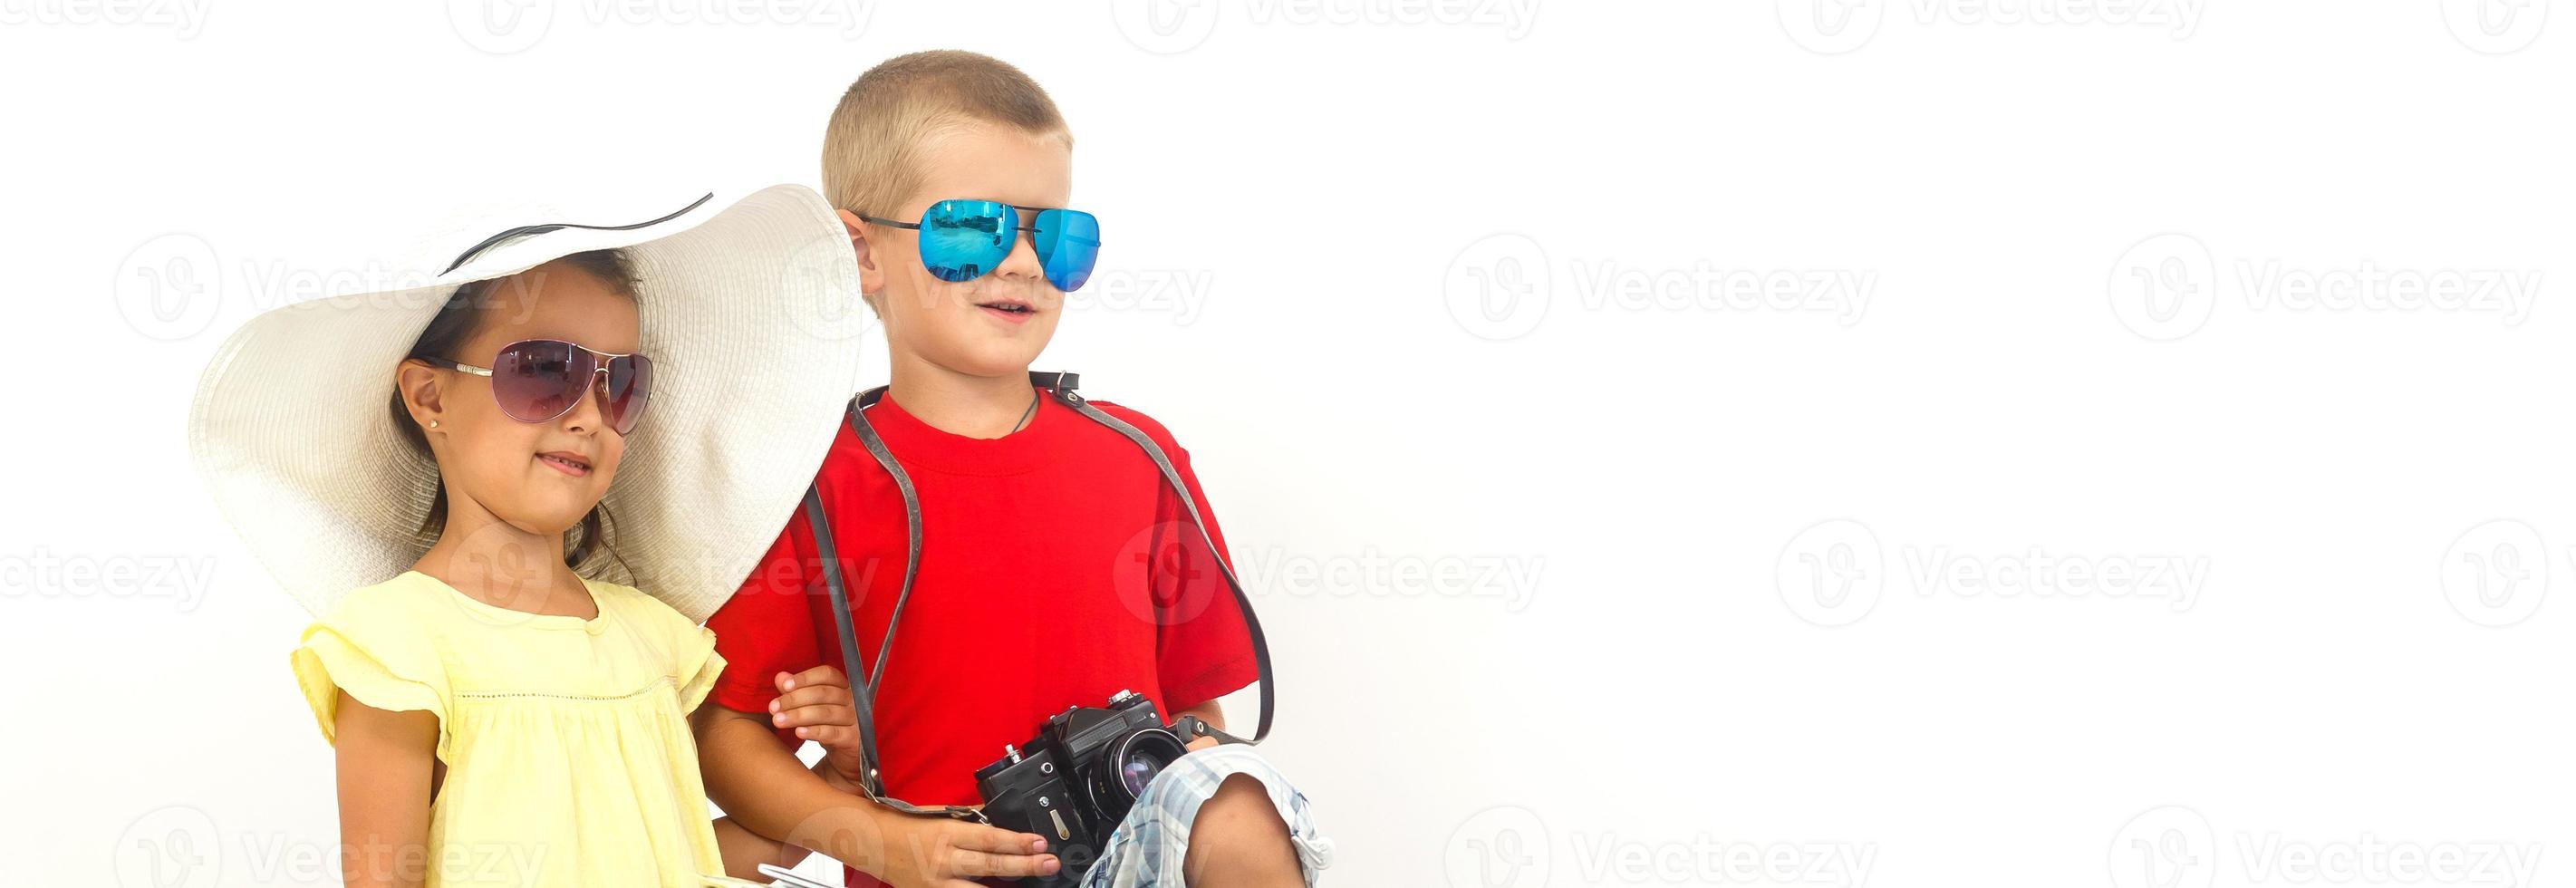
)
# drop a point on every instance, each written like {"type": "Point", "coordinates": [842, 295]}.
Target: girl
{"type": "Point", "coordinates": [502, 712]}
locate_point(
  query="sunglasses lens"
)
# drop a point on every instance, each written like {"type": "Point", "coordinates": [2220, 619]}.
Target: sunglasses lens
{"type": "Point", "coordinates": [630, 385]}
{"type": "Point", "coordinates": [1068, 244]}
{"type": "Point", "coordinates": [963, 239]}
{"type": "Point", "coordinates": [536, 381]}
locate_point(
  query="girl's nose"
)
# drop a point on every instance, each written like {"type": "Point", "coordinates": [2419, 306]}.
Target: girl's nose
{"type": "Point", "coordinates": [590, 413]}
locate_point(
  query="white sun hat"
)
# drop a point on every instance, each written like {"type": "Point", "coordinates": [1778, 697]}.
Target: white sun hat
{"type": "Point", "coordinates": [752, 317]}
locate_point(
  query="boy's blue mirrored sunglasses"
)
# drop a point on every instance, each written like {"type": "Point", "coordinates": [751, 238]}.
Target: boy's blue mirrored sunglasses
{"type": "Point", "coordinates": [962, 240]}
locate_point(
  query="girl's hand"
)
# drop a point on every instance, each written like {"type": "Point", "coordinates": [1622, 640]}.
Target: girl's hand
{"type": "Point", "coordinates": [816, 702]}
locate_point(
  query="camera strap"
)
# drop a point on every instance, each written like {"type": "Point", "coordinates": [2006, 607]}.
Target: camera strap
{"type": "Point", "coordinates": [864, 682]}
{"type": "Point", "coordinates": [862, 700]}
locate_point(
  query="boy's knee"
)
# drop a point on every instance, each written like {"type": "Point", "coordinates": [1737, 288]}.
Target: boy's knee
{"type": "Point", "coordinates": [1238, 838]}
{"type": "Point", "coordinates": [1240, 810]}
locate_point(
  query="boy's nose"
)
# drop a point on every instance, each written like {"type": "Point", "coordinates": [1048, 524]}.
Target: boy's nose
{"type": "Point", "coordinates": [1023, 261]}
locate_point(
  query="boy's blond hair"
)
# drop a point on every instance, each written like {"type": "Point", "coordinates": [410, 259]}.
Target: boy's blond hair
{"type": "Point", "coordinates": [872, 148]}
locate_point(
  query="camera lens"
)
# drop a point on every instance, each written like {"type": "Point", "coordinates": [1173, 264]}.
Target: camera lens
{"type": "Point", "coordinates": [1129, 764]}
{"type": "Point", "coordinates": [1137, 772]}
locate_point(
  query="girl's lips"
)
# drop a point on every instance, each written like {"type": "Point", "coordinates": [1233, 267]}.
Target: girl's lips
{"type": "Point", "coordinates": [1016, 317]}
{"type": "Point", "coordinates": [566, 463]}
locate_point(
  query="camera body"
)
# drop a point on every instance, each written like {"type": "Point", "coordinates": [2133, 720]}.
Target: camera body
{"type": "Point", "coordinates": [1077, 778]}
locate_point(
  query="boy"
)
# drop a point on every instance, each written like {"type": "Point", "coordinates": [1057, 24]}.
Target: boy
{"type": "Point", "coordinates": [1056, 566]}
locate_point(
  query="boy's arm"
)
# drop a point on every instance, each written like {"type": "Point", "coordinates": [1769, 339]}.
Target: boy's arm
{"type": "Point", "coordinates": [765, 628]}
{"type": "Point", "coordinates": [1203, 649]}
{"type": "Point", "coordinates": [762, 787]}
{"type": "Point", "coordinates": [812, 704]}
{"type": "Point", "coordinates": [744, 851]}
{"type": "Point", "coordinates": [1209, 712]}
{"type": "Point", "coordinates": [765, 791]}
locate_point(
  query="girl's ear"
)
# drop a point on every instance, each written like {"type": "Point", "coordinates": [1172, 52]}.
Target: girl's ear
{"type": "Point", "coordinates": [872, 276]}
{"type": "Point", "coordinates": [417, 383]}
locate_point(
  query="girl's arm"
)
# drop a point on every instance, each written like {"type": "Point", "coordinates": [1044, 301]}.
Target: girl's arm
{"type": "Point", "coordinates": [388, 771]}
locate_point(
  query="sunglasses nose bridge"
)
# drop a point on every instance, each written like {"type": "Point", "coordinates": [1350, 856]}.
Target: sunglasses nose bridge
{"type": "Point", "coordinates": [1022, 259]}
{"type": "Point", "coordinates": [598, 383]}
{"type": "Point", "coordinates": [594, 381]}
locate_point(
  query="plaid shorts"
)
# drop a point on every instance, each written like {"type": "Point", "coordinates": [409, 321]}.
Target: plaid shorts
{"type": "Point", "coordinates": [1147, 847]}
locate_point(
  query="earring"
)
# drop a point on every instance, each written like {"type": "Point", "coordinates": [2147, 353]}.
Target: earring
{"type": "Point", "coordinates": [433, 423]}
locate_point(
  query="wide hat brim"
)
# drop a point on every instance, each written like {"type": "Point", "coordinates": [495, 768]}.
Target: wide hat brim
{"type": "Point", "coordinates": [751, 315]}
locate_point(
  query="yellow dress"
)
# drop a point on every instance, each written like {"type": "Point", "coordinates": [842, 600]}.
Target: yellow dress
{"type": "Point", "coordinates": [567, 744]}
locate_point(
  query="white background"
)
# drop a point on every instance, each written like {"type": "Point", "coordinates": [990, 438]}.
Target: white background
{"type": "Point", "coordinates": [1441, 295]}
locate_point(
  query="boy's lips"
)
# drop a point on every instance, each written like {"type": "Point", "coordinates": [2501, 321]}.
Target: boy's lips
{"type": "Point", "coordinates": [1012, 310]}
{"type": "Point", "coordinates": [566, 462]}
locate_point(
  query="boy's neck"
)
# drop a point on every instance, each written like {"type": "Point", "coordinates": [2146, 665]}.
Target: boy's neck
{"type": "Point", "coordinates": [971, 406]}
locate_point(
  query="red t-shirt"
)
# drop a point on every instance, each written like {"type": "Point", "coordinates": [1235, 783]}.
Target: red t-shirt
{"type": "Point", "coordinates": [1056, 569]}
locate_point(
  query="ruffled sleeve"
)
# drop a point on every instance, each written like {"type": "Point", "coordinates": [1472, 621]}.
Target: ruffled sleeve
{"type": "Point", "coordinates": [699, 664]}
{"type": "Point", "coordinates": [688, 649]}
{"type": "Point", "coordinates": [379, 656]}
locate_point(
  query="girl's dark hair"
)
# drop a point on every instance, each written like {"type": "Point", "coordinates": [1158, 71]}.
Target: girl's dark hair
{"type": "Point", "coordinates": [457, 321]}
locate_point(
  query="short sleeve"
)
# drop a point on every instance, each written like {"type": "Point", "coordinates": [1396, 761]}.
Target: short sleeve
{"type": "Point", "coordinates": [766, 627]}
{"type": "Point", "coordinates": [1203, 650]}
{"type": "Point", "coordinates": [700, 666]}
{"type": "Point", "coordinates": [379, 656]}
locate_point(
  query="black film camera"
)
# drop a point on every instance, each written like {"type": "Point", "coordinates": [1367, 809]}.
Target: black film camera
{"type": "Point", "coordinates": [1076, 779]}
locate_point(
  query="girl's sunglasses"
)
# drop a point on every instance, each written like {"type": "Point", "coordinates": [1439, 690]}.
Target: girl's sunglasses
{"type": "Point", "coordinates": [961, 240]}
{"type": "Point", "coordinates": [540, 380]}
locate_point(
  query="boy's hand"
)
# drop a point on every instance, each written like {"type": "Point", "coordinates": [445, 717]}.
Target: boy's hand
{"type": "Point", "coordinates": [816, 702]}
{"type": "Point", "coordinates": [936, 852]}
